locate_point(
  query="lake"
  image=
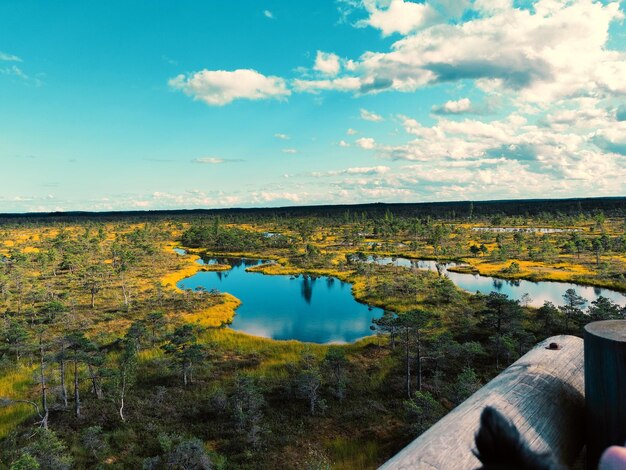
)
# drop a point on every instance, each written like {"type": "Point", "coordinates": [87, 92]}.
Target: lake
{"type": "Point", "coordinates": [305, 308]}
{"type": "Point", "coordinates": [323, 310]}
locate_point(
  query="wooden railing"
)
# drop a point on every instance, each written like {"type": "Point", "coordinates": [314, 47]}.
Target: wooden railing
{"type": "Point", "coordinates": [542, 394]}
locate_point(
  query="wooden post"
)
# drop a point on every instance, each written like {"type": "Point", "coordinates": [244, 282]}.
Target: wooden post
{"type": "Point", "coordinates": [605, 387]}
{"type": "Point", "coordinates": [541, 393]}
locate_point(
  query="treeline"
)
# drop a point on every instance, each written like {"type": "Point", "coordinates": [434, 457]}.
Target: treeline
{"type": "Point", "coordinates": [217, 237]}
{"type": "Point", "coordinates": [614, 207]}
{"type": "Point", "coordinates": [541, 247]}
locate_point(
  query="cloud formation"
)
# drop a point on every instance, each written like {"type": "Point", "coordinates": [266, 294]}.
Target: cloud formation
{"type": "Point", "coordinates": [547, 109]}
{"type": "Point", "coordinates": [220, 87]}
{"type": "Point", "coordinates": [4, 57]}
{"type": "Point", "coordinates": [578, 144]}
{"type": "Point", "coordinates": [462, 106]}
{"type": "Point", "coordinates": [556, 50]}
{"type": "Point", "coordinates": [215, 160]}
{"type": "Point", "coordinates": [374, 170]}
{"type": "Point", "coordinates": [399, 16]}
{"type": "Point", "coordinates": [327, 63]}
{"type": "Point", "coordinates": [553, 51]}
{"type": "Point", "coordinates": [17, 72]}
{"type": "Point", "coordinates": [367, 143]}
{"type": "Point", "coordinates": [369, 116]}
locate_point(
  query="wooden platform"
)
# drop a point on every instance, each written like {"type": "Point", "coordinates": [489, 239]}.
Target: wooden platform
{"type": "Point", "coordinates": [542, 393]}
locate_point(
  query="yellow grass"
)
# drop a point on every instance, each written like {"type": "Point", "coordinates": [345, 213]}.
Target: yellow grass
{"type": "Point", "coordinates": [276, 269]}
{"type": "Point", "coordinates": [275, 355]}
{"type": "Point", "coordinates": [562, 271]}
{"type": "Point", "coordinates": [215, 315]}
{"type": "Point", "coordinates": [189, 268]}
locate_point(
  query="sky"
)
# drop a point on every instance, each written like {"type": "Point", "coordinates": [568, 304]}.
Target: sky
{"type": "Point", "coordinates": [163, 104]}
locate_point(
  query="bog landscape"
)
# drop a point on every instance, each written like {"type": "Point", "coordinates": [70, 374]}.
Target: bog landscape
{"type": "Point", "coordinates": [297, 338]}
{"type": "Point", "coordinates": [313, 234]}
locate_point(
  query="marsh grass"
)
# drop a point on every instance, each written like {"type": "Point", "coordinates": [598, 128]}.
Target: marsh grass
{"type": "Point", "coordinates": [345, 433]}
{"type": "Point", "coordinates": [15, 383]}
{"type": "Point", "coordinates": [351, 454]}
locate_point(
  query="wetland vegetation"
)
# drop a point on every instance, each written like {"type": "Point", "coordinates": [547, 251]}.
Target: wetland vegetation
{"type": "Point", "coordinates": [119, 352]}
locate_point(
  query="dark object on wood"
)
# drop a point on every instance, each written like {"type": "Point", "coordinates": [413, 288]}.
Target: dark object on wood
{"type": "Point", "coordinates": [541, 393]}
{"type": "Point", "coordinates": [605, 386]}
{"type": "Point", "coordinates": [500, 446]}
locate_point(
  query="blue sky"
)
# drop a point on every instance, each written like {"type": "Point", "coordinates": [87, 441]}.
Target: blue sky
{"type": "Point", "coordinates": [181, 104]}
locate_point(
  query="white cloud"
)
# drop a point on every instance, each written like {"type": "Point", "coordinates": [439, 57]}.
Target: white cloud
{"type": "Point", "coordinates": [531, 56]}
{"type": "Point", "coordinates": [327, 63]}
{"type": "Point", "coordinates": [270, 196]}
{"type": "Point", "coordinates": [369, 116]}
{"type": "Point", "coordinates": [290, 151]}
{"type": "Point", "coordinates": [493, 6]}
{"type": "Point", "coordinates": [215, 160]}
{"type": "Point", "coordinates": [374, 170]}
{"type": "Point", "coordinates": [399, 16]}
{"type": "Point", "coordinates": [4, 57]}
{"type": "Point", "coordinates": [455, 8]}
{"type": "Point", "coordinates": [461, 106]}
{"type": "Point", "coordinates": [366, 143]}
{"type": "Point", "coordinates": [577, 148]}
{"type": "Point", "coordinates": [558, 50]}
{"type": "Point", "coordinates": [550, 70]}
{"type": "Point", "coordinates": [15, 71]}
{"type": "Point", "coordinates": [192, 198]}
{"type": "Point", "coordinates": [337, 84]}
{"type": "Point", "coordinates": [220, 87]}
{"type": "Point", "coordinates": [268, 14]}
{"type": "Point", "coordinates": [281, 136]}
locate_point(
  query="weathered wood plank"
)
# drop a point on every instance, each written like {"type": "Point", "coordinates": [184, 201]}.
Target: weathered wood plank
{"type": "Point", "coordinates": [605, 383]}
{"type": "Point", "coordinates": [542, 393]}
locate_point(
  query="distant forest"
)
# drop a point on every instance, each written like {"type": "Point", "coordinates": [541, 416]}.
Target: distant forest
{"type": "Point", "coordinates": [610, 206]}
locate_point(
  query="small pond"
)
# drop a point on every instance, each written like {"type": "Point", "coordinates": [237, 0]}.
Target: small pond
{"type": "Point", "coordinates": [305, 308]}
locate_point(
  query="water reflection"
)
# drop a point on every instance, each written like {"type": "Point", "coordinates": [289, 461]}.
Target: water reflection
{"type": "Point", "coordinates": [539, 292]}
{"type": "Point", "coordinates": [307, 288]}
{"type": "Point", "coordinates": [306, 308]}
